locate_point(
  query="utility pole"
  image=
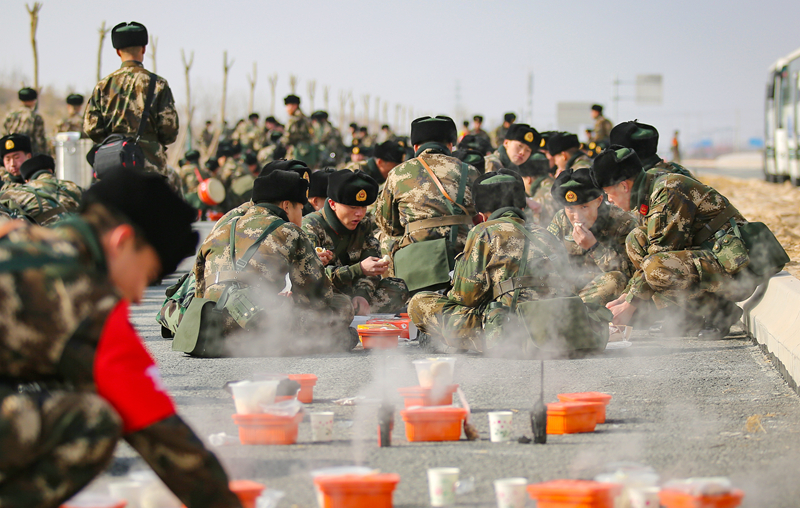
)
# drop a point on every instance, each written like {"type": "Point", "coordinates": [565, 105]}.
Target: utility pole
{"type": "Point", "coordinates": [530, 98]}
{"type": "Point", "coordinates": [34, 13]}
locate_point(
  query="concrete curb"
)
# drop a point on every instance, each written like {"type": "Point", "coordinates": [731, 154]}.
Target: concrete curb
{"type": "Point", "coordinates": [772, 319]}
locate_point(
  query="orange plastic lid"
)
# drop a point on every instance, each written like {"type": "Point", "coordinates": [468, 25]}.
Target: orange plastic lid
{"type": "Point", "coordinates": [265, 419]}
{"type": "Point", "coordinates": [303, 378]}
{"type": "Point", "coordinates": [404, 315]}
{"type": "Point", "coordinates": [679, 499]}
{"type": "Point", "coordinates": [585, 396]}
{"type": "Point", "coordinates": [246, 487]}
{"type": "Point", "coordinates": [381, 329]}
{"type": "Point", "coordinates": [410, 391]}
{"type": "Point", "coordinates": [399, 323]}
{"type": "Point", "coordinates": [381, 481]}
{"type": "Point", "coordinates": [573, 489]}
{"type": "Point", "coordinates": [433, 413]}
{"type": "Point", "coordinates": [571, 408]}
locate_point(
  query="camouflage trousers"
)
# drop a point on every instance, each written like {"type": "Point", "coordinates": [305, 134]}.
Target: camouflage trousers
{"type": "Point", "coordinates": [53, 444]}
{"type": "Point", "coordinates": [603, 288]}
{"type": "Point", "coordinates": [691, 279]}
{"type": "Point", "coordinates": [388, 297]}
{"type": "Point", "coordinates": [454, 325]}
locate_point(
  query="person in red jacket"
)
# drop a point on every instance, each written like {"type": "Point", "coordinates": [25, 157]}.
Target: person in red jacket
{"type": "Point", "coordinates": [75, 376]}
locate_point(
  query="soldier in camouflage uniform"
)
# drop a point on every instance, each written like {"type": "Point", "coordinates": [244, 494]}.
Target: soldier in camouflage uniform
{"type": "Point", "coordinates": [316, 317]}
{"type": "Point", "coordinates": [602, 127]}
{"type": "Point", "coordinates": [565, 150]}
{"type": "Point", "coordinates": [593, 233]}
{"type": "Point", "coordinates": [674, 266]}
{"type": "Point", "coordinates": [118, 100]}
{"type": "Point", "coordinates": [499, 133]}
{"type": "Point", "coordinates": [38, 174]}
{"type": "Point", "coordinates": [477, 129]}
{"type": "Point", "coordinates": [328, 139]}
{"type": "Point", "coordinates": [74, 120]}
{"type": "Point", "coordinates": [15, 149]}
{"type": "Point", "coordinates": [26, 121]}
{"type": "Point", "coordinates": [353, 254]}
{"type": "Point", "coordinates": [521, 140]}
{"type": "Point", "coordinates": [191, 173]}
{"type": "Point", "coordinates": [492, 255]}
{"type": "Point", "coordinates": [643, 139]}
{"type": "Point", "coordinates": [75, 383]}
{"type": "Point", "coordinates": [298, 137]}
{"type": "Point", "coordinates": [412, 207]}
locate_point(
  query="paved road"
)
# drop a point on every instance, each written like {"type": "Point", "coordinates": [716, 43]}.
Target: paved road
{"type": "Point", "coordinates": [680, 405]}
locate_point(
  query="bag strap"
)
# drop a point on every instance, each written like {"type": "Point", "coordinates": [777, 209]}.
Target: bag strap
{"type": "Point", "coordinates": [240, 264]}
{"type": "Point", "coordinates": [708, 229]}
{"type": "Point", "coordinates": [151, 88]}
{"type": "Point", "coordinates": [198, 175]}
{"type": "Point", "coordinates": [462, 185]}
{"type": "Point", "coordinates": [523, 265]}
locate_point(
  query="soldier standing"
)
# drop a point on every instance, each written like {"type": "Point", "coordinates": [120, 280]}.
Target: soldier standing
{"type": "Point", "coordinates": [74, 120]}
{"type": "Point", "coordinates": [602, 127]}
{"type": "Point", "coordinates": [426, 206]}
{"type": "Point", "coordinates": [298, 136]}
{"type": "Point", "coordinates": [353, 263]}
{"type": "Point", "coordinates": [477, 129]}
{"type": "Point", "coordinates": [499, 133]}
{"type": "Point", "coordinates": [593, 233]}
{"type": "Point", "coordinates": [27, 121]}
{"type": "Point", "coordinates": [691, 252]}
{"type": "Point", "coordinates": [75, 383]}
{"type": "Point", "coordinates": [118, 100]}
{"type": "Point", "coordinates": [328, 138]}
{"type": "Point", "coordinates": [676, 149]}
{"type": "Point", "coordinates": [520, 141]}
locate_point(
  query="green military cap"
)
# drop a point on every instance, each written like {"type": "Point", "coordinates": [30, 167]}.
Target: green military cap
{"type": "Point", "coordinates": [298, 166]}
{"type": "Point", "coordinates": [478, 118]}
{"type": "Point", "coordinates": [192, 155]}
{"type": "Point", "coordinates": [440, 129]}
{"type": "Point", "coordinates": [357, 149]}
{"type": "Point", "coordinates": [253, 116]}
{"type": "Point", "coordinates": [598, 108]}
{"type": "Point", "coordinates": [250, 158]}
{"type": "Point", "coordinates": [27, 94]}
{"type": "Point", "coordinates": [575, 188]}
{"type": "Point", "coordinates": [278, 185]}
{"type": "Point", "coordinates": [640, 137]}
{"type": "Point", "coordinates": [212, 165]}
{"type": "Point", "coordinates": [318, 183]}
{"type": "Point", "coordinates": [74, 99]}
{"type": "Point", "coordinates": [14, 143]}
{"type": "Point", "coordinates": [509, 117]}
{"type": "Point", "coordinates": [472, 157]}
{"type": "Point", "coordinates": [561, 141]}
{"type": "Point", "coordinates": [537, 165]}
{"type": "Point", "coordinates": [291, 99]}
{"type": "Point", "coordinates": [352, 188]}
{"type": "Point", "coordinates": [319, 115]}
{"type": "Point", "coordinates": [125, 35]}
{"type": "Point", "coordinates": [389, 151]}
{"type": "Point", "coordinates": [524, 133]}
{"type": "Point", "coordinates": [498, 189]}
{"type": "Point", "coordinates": [473, 142]}
{"type": "Point", "coordinates": [546, 135]}
{"type": "Point", "coordinates": [614, 165]}
{"type": "Point", "coordinates": [35, 164]}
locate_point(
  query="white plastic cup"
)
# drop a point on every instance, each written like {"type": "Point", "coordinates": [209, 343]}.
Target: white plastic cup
{"type": "Point", "coordinates": [130, 491]}
{"type": "Point", "coordinates": [435, 371]}
{"type": "Point", "coordinates": [500, 428]}
{"type": "Point", "coordinates": [321, 426]}
{"type": "Point", "coordinates": [442, 485]}
{"type": "Point", "coordinates": [511, 492]}
{"type": "Point", "coordinates": [249, 396]}
{"type": "Point", "coordinates": [644, 497]}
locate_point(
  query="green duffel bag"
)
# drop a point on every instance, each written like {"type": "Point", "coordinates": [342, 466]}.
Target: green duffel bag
{"type": "Point", "coordinates": [767, 256]}
{"type": "Point", "coordinates": [201, 332]}
{"type": "Point", "coordinates": [564, 324]}
{"type": "Point", "coordinates": [423, 264]}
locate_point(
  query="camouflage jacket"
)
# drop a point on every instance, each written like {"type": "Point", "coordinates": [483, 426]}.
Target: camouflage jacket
{"type": "Point", "coordinates": [499, 135]}
{"type": "Point", "coordinates": [74, 292]}
{"type": "Point", "coordinates": [492, 254]}
{"type": "Point", "coordinates": [116, 106]}
{"type": "Point", "coordinates": [481, 134]}
{"type": "Point", "coordinates": [672, 209]}
{"type": "Point", "coordinates": [349, 248]}
{"type": "Point", "coordinates": [72, 123]}
{"type": "Point", "coordinates": [607, 255]}
{"type": "Point", "coordinates": [30, 123]}
{"type": "Point", "coordinates": [7, 180]}
{"type": "Point", "coordinates": [410, 194]}
{"type": "Point", "coordinates": [499, 159]}
{"type": "Point", "coordinates": [285, 250]}
{"type": "Point", "coordinates": [298, 130]}
{"type": "Point", "coordinates": [67, 193]}
{"type": "Point", "coordinates": [42, 207]}
{"type": "Point", "coordinates": [540, 192]}
{"type": "Point", "coordinates": [329, 137]}
{"type": "Point", "coordinates": [602, 130]}
{"type": "Point", "coordinates": [579, 160]}
{"type": "Point", "coordinates": [657, 163]}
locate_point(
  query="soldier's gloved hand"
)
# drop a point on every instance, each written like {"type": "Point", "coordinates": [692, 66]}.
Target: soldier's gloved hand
{"type": "Point", "coordinates": [360, 306]}
{"type": "Point", "coordinates": [533, 205]}
{"type": "Point", "coordinates": [373, 266]}
{"type": "Point", "coordinates": [582, 236]}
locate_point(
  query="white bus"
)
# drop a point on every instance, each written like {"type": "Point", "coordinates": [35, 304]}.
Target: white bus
{"type": "Point", "coordinates": [781, 112]}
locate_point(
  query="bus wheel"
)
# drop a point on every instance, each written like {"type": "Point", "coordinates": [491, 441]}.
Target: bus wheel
{"type": "Point", "coordinates": [795, 180]}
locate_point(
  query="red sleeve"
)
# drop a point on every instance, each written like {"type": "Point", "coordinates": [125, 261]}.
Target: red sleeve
{"type": "Point", "coordinates": [126, 375]}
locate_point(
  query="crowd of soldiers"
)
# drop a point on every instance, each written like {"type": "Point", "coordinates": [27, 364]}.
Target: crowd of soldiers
{"type": "Point", "coordinates": [519, 242]}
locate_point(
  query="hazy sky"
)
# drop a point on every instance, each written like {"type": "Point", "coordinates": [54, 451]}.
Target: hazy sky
{"type": "Point", "coordinates": [713, 54]}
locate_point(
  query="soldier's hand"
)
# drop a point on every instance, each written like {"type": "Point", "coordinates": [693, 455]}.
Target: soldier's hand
{"type": "Point", "coordinates": [617, 301]}
{"type": "Point", "coordinates": [622, 312]}
{"type": "Point", "coordinates": [582, 236]}
{"type": "Point", "coordinates": [533, 205]}
{"type": "Point", "coordinates": [325, 256]}
{"type": "Point", "coordinates": [373, 266]}
{"type": "Point", "coordinates": [360, 306]}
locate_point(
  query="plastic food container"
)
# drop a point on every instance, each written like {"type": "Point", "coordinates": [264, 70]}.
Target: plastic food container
{"type": "Point", "coordinates": [571, 417]}
{"type": "Point", "coordinates": [437, 423]}
{"type": "Point", "coordinates": [249, 396]}
{"type": "Point", "coordinates": [435, 371]}
{"type": "Point", "coordinates": [401, 323]}
{"type": "Point", "coordinates": [589, 397]}
{"type": "Point", "coordinates": [421, 396]}
{"type": "Point", "coordinates": [247, 491]}
{"type": "Point", "coordinates": [94, 501]}
{"type": "Point", "coordinates": [215, 216]}
{"type": "Point", "coordinates": [267, 428]}
{"type": "Point", "coordinates": [678, 499]}
{"type": "Point", "coordinates": [307, 383]}
{"type": "Point", "coordinates": [379, 336]}
{"type": "Point", "coordinates": [211, 191]}
{"type": "Point", "coordinates": [357, 491]}
{"type": "Point", "coordinates": [574, 494]}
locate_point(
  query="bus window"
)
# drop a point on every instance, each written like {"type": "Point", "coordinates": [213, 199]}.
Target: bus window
{"type": "Point", "coordinates": [785, 97]}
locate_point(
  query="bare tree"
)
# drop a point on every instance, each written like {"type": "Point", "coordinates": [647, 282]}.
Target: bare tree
{"type": "Point", "coordinates": [226, 66]}
{"type": "Point", "coordinates": [187, 66]}
{"type": "Point", "coordinates": [365, 99]}
{"type": "Point", "coordinates": [385, 112]}
{"type": "Point", "coordinates": [352, 106]}
{"type": "Point", "coordinates": [342, 105]}
{"type": "Point", "coordinates": [397, 108]}
{"type": "Point", "coordinates": [153, 48]}
{"type": "Point", "coordinates": [103, 32]}
{"type": "Point", "coordinates": [312, 92]}
{"type": "Point", "coordinates": [273, 82]}
{"type": "Point", "coordinates": [252, 81]}
{"type": "Point", "coordinates": [34, 13]}
{"type": "Point", "coordinates": [292, 83]}
{"type": "Point", "coordinates": [325, 94]}
{"type": "Point", "coordinates": [377, 112]}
